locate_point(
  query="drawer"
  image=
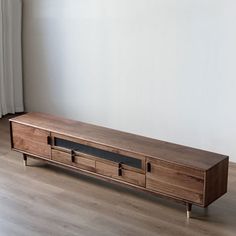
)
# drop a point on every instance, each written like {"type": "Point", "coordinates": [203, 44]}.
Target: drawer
{"type": "Point", "coordinates": [112, 170]}
{"type": "Point", "coordinates": [31, 140]}
{"type": "Point", "coordinates": [179, 181]}
{"type": "Point", "coordinates": [83, 162]}
{"type": "Point", "coordinates": [61, 157]}
{"type": "Point", "coordinates": [80, 162]}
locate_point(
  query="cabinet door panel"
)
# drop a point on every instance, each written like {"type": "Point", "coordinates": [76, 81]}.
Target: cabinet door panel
{"type": "Point", "coordinates": [176, 191]}
{"type": "Point", "coordinates": [126, 175]}
{"type": "Point", "coordinates": [31, 140]}
{"type": "Point", "coordinates": [175, 180]}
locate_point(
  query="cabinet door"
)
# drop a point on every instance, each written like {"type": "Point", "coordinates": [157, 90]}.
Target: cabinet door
{"type": "Point", "coordinates": [115, 171]}
{"type": "Point", "coordinates": [31, 140]}
{"type": "Point", "coordinates": [175, 180]}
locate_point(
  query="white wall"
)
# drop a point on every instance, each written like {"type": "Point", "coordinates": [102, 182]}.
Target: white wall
{"type": "Point", "coordinates": [160, 68]}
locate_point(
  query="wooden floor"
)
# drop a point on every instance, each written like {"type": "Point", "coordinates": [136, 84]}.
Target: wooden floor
{"type": "Point", "coordinates": [42, 199]}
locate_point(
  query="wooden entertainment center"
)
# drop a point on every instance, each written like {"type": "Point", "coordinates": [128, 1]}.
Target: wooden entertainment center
{"type": "Point", "coordinates": [181, 173]}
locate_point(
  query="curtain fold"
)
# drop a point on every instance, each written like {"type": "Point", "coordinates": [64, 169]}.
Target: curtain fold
{"type": "Point", "coordinates": [11, 88]}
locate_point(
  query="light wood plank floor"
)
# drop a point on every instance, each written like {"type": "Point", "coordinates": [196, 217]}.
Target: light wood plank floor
{"type": "Point", "coordinates": [42, 199]}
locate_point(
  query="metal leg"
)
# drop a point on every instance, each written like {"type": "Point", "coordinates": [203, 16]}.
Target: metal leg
{"type": "Point", "coordinates": [188, 208]}
{"type": "Point", "coordinates": [25, 159]}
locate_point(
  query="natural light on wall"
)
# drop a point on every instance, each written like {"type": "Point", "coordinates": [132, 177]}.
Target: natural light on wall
{"type": "Point", "coordinates": [160, 68]}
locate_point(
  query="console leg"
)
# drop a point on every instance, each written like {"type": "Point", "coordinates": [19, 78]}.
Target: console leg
{"type": "Point", "coordinates": [25, 159]}
{"type": "Point", "coordinates": [188, 208]}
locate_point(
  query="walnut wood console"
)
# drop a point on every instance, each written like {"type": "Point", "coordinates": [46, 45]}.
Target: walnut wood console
{"type": "Point", "coordinates": [185, 174]}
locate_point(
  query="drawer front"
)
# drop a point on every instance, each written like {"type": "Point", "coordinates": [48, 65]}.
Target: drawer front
{"type": "Point", "coordinates": [31, 140]}
{"type": "Point", "coordinates": [79, 161]}
{"type": "Point", "coordinates": [84, 163]}
{"type": "Point", "coordinates": [112, 170]}
{"type": "Point", "coordinates": [178, 181]}
{"type": "Point", "coordinates": [61, 157]}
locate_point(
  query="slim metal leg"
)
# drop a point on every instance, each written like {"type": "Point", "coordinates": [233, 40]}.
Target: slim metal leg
{"type": "Point", "coordinates": [188, 208]}
{"type": "Point", "coordinates": [25, 159]}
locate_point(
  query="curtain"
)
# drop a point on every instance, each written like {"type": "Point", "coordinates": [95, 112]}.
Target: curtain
{"type": "Point", "coordinates": [11, 91]}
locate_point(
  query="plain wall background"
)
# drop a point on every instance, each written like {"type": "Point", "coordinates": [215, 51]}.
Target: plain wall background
{"type": "Point", "coordinates": [159, 68]}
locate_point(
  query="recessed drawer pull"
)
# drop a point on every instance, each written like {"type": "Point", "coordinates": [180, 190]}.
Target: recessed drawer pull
{"type": "Point", "coordinates": [72, 155]}
{"type": "Point", "coordinates": [120, 169]}
{"type": "Point", "coordinates": [49, 140]}
{"type": "Point", "coordinates": [149, 167]}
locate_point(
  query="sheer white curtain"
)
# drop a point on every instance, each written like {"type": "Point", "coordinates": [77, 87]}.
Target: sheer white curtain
{"type": "Point", "coordinates": [11, 94]}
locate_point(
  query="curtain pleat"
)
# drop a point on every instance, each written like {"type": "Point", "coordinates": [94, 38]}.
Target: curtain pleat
{"type": "Point", "coordinates": [11, 89]}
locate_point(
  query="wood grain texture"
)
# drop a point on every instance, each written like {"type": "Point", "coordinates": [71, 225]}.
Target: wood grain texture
{"type": "Point", "coordinates": [79, 161]}
{"type": "Point", "coordinates": [84, 163]}
{"type": "Point", "coordinates": [111, 170]}
{"type": "Point", "coordinates": [61, 157]}
{"type": "Point", "coordinates": [199, 174]}
{"type": "Point", "coordinates": [114, 139]}
{"type": "Point", "coordinates": [31, 140]}
{"type": "Point", "coordinates": [173, 190]}
{"type": "Point", "coordinates": [175, 180]}
{"type": "Point", "coordinates": [42, 199]}
{"type": "Point", "coordinates": [216, 181]}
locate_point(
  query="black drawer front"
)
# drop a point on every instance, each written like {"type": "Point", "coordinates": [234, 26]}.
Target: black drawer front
{"type": "Point", "coordinates": [118, 158]}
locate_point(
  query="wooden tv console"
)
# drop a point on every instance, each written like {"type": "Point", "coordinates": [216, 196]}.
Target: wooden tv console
{"type": "Point", "coordinates": [185, 174]}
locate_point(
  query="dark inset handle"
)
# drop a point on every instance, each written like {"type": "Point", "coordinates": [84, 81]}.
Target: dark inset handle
{"type": "Point", "coordinates": [49, 140]}
{"type": "Point", "coordinates": [72, 155]}
{"type": "Point", "coordinates": [149, 167]}
{"type": "Point", "coordinates": [120, 169]}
